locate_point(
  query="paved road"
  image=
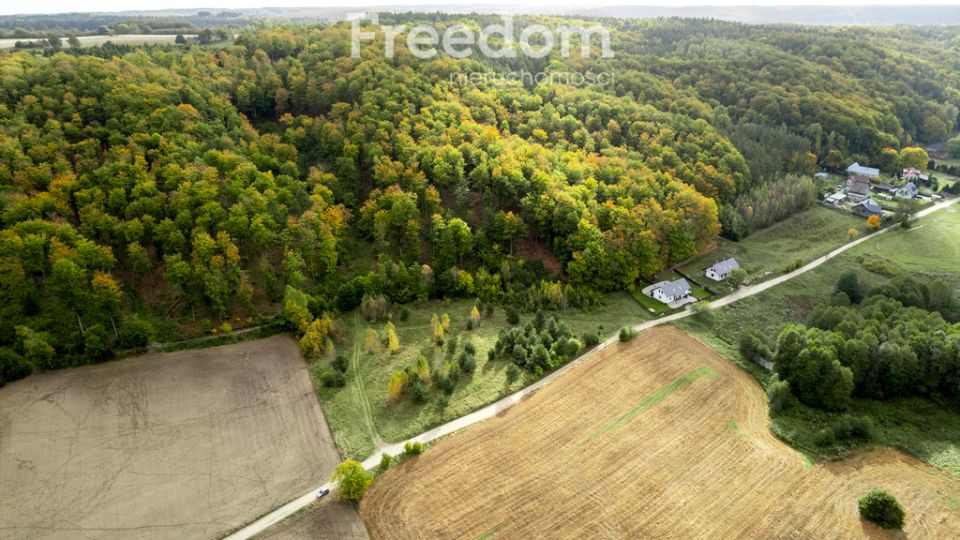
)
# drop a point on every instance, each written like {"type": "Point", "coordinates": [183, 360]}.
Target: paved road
{"type": "Point", "coordinates": [505, 403]}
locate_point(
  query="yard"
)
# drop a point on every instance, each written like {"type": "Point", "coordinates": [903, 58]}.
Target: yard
{"type": "Point", "coordinates": [767, 252]}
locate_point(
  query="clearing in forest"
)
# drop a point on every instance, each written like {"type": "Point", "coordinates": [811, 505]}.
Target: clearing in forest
{"type": "Point", "coordinates": [660, 437]}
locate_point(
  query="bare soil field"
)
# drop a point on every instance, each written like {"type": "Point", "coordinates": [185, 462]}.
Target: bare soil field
{"type": "Point", "coordinates": [330, 519]}
{"type": "Point", "coordinates": [188, 444]}
{"type": "Point", "coordinates": [657, 438]}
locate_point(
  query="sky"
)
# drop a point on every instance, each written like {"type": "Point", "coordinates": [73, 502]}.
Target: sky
{"type": "Point", "coordinates": [10, 7]}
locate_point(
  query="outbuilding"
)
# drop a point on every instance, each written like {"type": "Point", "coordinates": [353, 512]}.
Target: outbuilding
{"type": "Point", "coordinates": [720, 270]}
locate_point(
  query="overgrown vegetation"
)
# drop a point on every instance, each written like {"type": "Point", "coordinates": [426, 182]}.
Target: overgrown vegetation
{"type": "Point", "coordinates": [881, 508]}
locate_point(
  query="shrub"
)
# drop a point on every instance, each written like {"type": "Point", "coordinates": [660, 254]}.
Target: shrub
{"type": "Point", "coordinates": [136, 333]}
{"type": "Point", "coordinates": [374, 308]}
{"type": "Point", "coordinates": [882, 508]}
{"type": "Point", "coordinates": [340, 363]}
{"type": "Point", "coordinates": [412, 448]}
{"type": "Point", "coordinates": [513, 316]}
{"type": "Point", "coordinates": [404, 314]}
{"type": "Point", "coordinates": [590, 339]}
{"type": "Point", "coordinates": [512, 372]}
{"type": "Point", "coordinates": [849, 284]}
{"type": "Point", "coordinates": [469, 325]}
{"type": "Point", "coordinates": [491, 355]}
{"type": "Point", "coordinates": [419, 390]}
{"type": "Point", "coordinates": [824, 437]}
{"type": "Point", "coordinates": [12, 366]}
{"type": "Point", "coordinates": [794, 265]}
{"type": "Point", "coordinates": [488, 311]}
{"type": "Point", "coordinates": [779, 396]}
{"type": "Point", "coordinates": [468, 364]}
{"type": "Point", "coordinates": [626, 334]}
{"type": "Point", "coordinates": [470, 348]}
{"type": "Point", "coordinates": [333, 379]}
{"type": "Point", "coordinates": [385, 462]}
{"type": "Point", "coordinates": [853, 428]}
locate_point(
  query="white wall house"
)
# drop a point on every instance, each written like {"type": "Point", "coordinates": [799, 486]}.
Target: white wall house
{"type": "Point", "coordinates": [671, 291]}
{"type": "Point", "coordinates": [720, 270]}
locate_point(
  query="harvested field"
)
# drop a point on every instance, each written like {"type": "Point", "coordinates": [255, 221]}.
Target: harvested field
{"type": "Point", "coordinates": [330, 519]}
{"type": "Point", "coordinates": [657, 438]}
{"type": "Point", "coordinates": [188, 444]}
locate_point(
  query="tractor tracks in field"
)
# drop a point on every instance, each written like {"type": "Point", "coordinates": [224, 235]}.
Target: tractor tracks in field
{"type": "Point", "coordinates": [359, 388]}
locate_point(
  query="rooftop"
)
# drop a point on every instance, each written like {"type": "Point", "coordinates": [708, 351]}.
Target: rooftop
{"type": "Point", "coordinates": [725, 266]}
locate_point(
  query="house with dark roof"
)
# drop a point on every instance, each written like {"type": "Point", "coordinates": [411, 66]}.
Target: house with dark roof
{"type": "Point", "coordinates": [867, 208]}
{"type": "Point", "coordinates": [886, 188]}
{"type": "Point", "coordinates": [720, 270]}
{"type": "Point", "coordinates": [858, 188]}
{"type": "Point", "coordinates": [671, 291]}
{"type": "Point", "coordinates": [869, 172]}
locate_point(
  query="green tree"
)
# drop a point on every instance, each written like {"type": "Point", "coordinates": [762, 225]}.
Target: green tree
{"type": "Point", "coordinates": [849, 284]}
{"type": "Point", "coordinates": [354, 480]}
{"type": "Point", "coordinates": [881, 508]}
{"type": "Point", "coordinates": [914, 156]}
{"type": "Point", "coordinates": [737, 277]}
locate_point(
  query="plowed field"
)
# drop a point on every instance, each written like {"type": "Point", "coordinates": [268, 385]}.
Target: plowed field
{"type": "Point", "coordinates": [657, 438]}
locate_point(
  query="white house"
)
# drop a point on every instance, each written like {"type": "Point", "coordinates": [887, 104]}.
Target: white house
{"type": "Point", "coordinates": [908, 191]}
{"type": "Point", "coordinates": [671, 291]}
{"type": "Point", "coordinates": [869, 172]}
{"type": "Point", "coordinates": [720, 270]}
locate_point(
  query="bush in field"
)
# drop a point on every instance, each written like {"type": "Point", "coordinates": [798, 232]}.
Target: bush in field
{"type": "Point", "coordinates": [412, 448]}
{"type": "Point", "coordinates": [590, 339]}
{"type": "Point", "coordinates": [385, 462]}
{"type": "Point", "coordinates": [512, 373]}
{"type": "Point", "coordinates": [849, 284]}
{"type": "Point", "coordinates": [882, 508]}
{"type": "Point", "coordinates": [737, 277]}
{"type": "Point", "coordinates": [626, 334]}
{"type": "Point", "coordinates": [794, 265]}
{"type": "Point", "coordinates": [333, 379]}
{"type": "Point", "coordinates": [374, 308]}
{"type": "Point", "coordinates": [354, 480]}
{"type": "Point", "coordinates": [779, 396]}
{"type": "Point", "coordinates": [513, 316]}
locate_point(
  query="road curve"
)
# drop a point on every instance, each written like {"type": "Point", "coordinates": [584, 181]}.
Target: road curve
{"type": "Point", "coordinates": [504, 403]}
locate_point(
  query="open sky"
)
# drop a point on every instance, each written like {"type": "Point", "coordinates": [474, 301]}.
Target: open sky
{"type": "Point", "coordinates": [10, 7]}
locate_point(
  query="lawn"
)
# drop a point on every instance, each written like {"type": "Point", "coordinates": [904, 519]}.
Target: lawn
{"type": "Point", "coordinates": [929, 430]}
{"type": "Point", "coordinates": [365, 402]}
{"type": "Point", "coordinates": [767, 252]}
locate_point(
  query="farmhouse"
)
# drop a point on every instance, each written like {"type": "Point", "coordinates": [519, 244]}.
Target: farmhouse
{"type": "Point", "coordinates": [912, 174]}
{"type": "Point", "coordinates": [720, 270]}
{"type": "Point", "coordinates": [858, 188]}
{"type": "Point", "coordinates": [836, 198]}
{"type": "Point", "coordinates": [908, 191]}
{"type": "Point", "coordinates": [671, 291]}
{"type": "Point", "coordinates": [867, 208]}
{"type": "Point", "coordinates": [869, 172]}
{"type": "Point", "coordinates": [886, 188]}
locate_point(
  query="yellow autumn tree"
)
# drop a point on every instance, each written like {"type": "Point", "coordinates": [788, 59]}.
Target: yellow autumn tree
{"type": "Point", "coordinates": [398, 383]}
{"type": "Point", "coordinates": [873, 222]}
{"type": "Point", "coordinates": [475, 316]}
{"type": "Point", "coordinates": [423, 369]}
{"type": "Point", "coordinates": [438, 333]}
{"type": "Point", "coordinates": [445, 320]}
{"type": "Point", "coordinates": [393, 340]}
{"type": "Point", "coordinates": [371, 342]}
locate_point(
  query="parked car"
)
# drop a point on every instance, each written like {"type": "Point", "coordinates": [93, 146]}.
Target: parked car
{"type": "Point", "coordinates": [323, 492]}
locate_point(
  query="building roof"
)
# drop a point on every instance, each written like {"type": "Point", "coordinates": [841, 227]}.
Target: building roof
{"type": "Point", "coordinates": [856, 168]}
{"type": "Point", "coordinates": [911, 170]}
{"type": "Point", "coordinates": [860, 184]}
{"type": "Point", "coordinates": [675, 288]}
{"type": "Point", "coordinates": [725, 266]}
{"type": "Point", "coordinates": [870, 206]}
{"type": "Point", "coordinates": [910, 188]}
{"type": "Point", "coordinates": [884, 187]}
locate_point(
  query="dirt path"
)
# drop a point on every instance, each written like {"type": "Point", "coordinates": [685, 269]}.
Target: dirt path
{"type": "Point", "coordinates": [505, 403]}
{"type": "Point", "coordinates": [359, 388]}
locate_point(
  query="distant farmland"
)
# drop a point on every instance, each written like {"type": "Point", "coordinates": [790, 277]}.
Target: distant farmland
{"type": "Point", "coordinates": [125, 39]}
{"type": "Point", "coordinates": [190, 444]}
{"type": "Point", "coordinates": [657, 438]}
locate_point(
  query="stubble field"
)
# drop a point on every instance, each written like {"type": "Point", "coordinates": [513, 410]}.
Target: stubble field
{"type": "Point", "coordinates": [657, 438]}
{"type": "Point", "coordinates": [189, 444]}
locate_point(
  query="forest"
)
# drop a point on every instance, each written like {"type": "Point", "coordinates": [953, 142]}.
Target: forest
{"type": "Point", "coordinates": [145, 188]}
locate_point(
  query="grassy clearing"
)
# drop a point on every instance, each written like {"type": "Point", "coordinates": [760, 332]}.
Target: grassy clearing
{"type": "Point", "coordinates": [766, 252]}
{"type": "Point", "coordinates": [396, 419]}
{"type": "Point", "coordinates": [929, 430]}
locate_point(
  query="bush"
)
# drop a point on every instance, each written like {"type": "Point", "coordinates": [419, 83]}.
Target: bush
{"type": "Point", "coordinates": [468, 364]}
{"type": "Point", "coordinates": [794, 265]}
{"type": "Point", "coordinates": [135, 333]}
{"type": "Point", "coordinates": [340, 363]}
{"type": "Point", "coordinates": [404, 314]}
{"type": "Point", "coordinates": [419, 390]}
{"type": "Point", "coordinates": [354, 480]}
{"type": "Point", "coordinates": [513, 316]}
{"type": "Point", "coordinates": [779, 396]}
{"type": "Point", "coordinates": [824, 437]}
{"type": "Point", "coordinates": [12, 366]}
{"type": "Point", "coordinates": [385, 462]}
{"type": "Point", "coordinates": [849, 284]}
{"type": "Point", "coordinates": [590, 340]}
{"type": "Point", "coordinates": [469, 325]}
{"type": "Point", "coordinates": [882, 508]}
{"type": "Point", "coordinates": [512, 372]}
{"type": "Point", "coordinates": [852, 428]}
{"type": "Point", "coordinates": [333, 379]}
{"type": "Point", "coordinates": [626, 334]}
{"type": "Point", "coordinates": [470, 348]}
{"type": "Point", "coordinates": [412, 448]}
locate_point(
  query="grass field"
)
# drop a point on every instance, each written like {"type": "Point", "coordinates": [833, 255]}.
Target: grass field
{"type": "Point", "coordinates": [121, 39]}
{"type": "Point", "coordinates": [656, 438]}
{"type": "Point", "coordinates": [363, 410]}
{"type": "Point", "coordinates": [926, 429]}
{"type": "Point", "coordinates": [767, 252]}
{"type": "Point", "coordinates": [188, 444]}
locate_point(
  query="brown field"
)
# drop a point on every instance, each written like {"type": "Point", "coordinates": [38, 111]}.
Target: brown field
{"type": "Point", "coordinates": [657, 438]}
{"type": "Point", "coordinates": [330, 519]}
{"type": "Point", "coordinates": [188, 444]}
